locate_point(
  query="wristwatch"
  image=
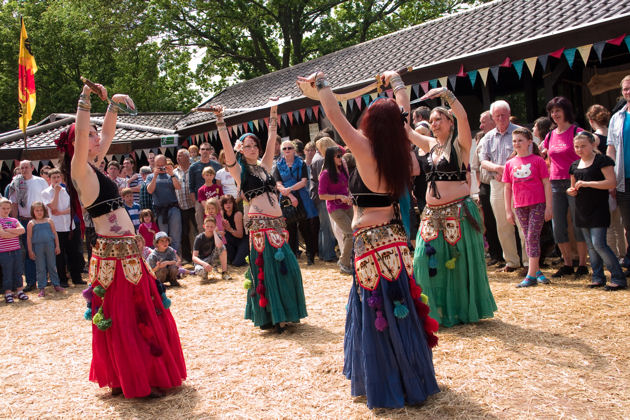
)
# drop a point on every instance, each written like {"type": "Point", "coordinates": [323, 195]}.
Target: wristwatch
{"type": "Point", "coordinates": [321, 83]}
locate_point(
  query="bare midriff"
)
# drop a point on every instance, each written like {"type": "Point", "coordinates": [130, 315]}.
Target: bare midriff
{"type": "Point", "coordinates": [371, 216]}
{"type": "Point", "coordinates": [115, 223]}
{"type": "Point", "coordinates": [449, 191]}
{"type": "Point", "coordinates": [261, 205]}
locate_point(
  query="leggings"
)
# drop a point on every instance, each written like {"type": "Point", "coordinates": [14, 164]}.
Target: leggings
{"type": "Point", "coordinates": [532, 219]}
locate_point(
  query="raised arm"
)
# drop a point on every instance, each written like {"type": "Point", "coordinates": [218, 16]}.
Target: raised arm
{"type": "Point", "coordinates": [464, 136]}
{"type": "Point", "coordinates": [230, 156]}
{"type": "Point", "coordinates": [270, 149]}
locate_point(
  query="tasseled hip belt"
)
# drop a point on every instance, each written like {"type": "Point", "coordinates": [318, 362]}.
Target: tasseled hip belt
{"type": "Point", "coordinates": [107, 251]}
{"type": "Point", "coordinates": [274, 228]}
{"type": "Point", "coordinates": [381, 251]}
{"type": "Point", "coordinates": [445, 218]}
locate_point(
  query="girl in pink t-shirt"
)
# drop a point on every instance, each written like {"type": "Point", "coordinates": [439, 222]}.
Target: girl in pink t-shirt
{"type": "Point", "coordinates": [527, 184]}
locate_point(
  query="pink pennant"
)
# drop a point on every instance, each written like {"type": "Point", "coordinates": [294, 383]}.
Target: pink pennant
{"type": "Point", "coordinates": [302, 114]}
{"type": "Point", "coordinates": [316, 111]}
{"type": "Point", "coordinates": [245, 130]}
{"type": "Point", "coordinates": [424, 86]}
{"type": "Point", "coordinates": [359, 102]}
{"type": "Point", "coordinates": [461, 73]}
{"type": "Point", "coordinates": [557, 53]}
{"type": "Point", "coordinates": [267, 121]}
{"type": "Point", "coordinates": [205, 136]}
{"type": "Point", "coordinates": [617, 41]}
{"type": "Point", "coordinates": [506, 62]}
{"type": "Point", "coordinates": [290, 115]}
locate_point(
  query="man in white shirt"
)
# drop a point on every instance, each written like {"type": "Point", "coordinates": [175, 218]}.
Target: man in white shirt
{"type": "Point", "coordinates": [25, 189]}
{"type": "Point", "coordinates": [57, 200]}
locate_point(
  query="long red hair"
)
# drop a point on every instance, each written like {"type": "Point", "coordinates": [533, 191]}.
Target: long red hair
{"type": "Point", "coordinates": [383, 125]}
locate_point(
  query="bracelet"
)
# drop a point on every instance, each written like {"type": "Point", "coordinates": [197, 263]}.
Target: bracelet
{"type": "Point", "coordinates": [112, 108]}
{"type": "Point", "coordinates": [83, 109]}
{"type": "Point", "coordinates": [321, 83]}
{"type": "Point", "coordinates": [230, 165]}
{"type": "Point", "coordinates": [84, 97]}
{"type": "Point", "coordinates": [448, 95]}
{"type": "Point", "coordinates": [84, 104]}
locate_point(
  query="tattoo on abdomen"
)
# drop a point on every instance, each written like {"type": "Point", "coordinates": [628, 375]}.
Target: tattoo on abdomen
{"type": "Point", "coordinates": [115, 227]}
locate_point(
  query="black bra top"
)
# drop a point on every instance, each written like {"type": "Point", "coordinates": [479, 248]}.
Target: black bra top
{"type": "Point", "coordinates": [444, 170]}
{"type": "Point", "coordinates": [108, 198]}
{"type": "Point", "coordinates": [363, 197]}
{"type": "Point", "coordinates": [253, 185]}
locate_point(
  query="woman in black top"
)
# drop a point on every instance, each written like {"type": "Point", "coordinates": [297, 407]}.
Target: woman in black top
{"type": "Point", "coordinates": [237, 242]}
{"type": "Point", "coordinates": [135, 343]}
{"type": "Point", "coordinates": [591, 178]}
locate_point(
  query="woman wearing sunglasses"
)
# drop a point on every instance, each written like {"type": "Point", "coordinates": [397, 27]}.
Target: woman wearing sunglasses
{"type": "Point", "coordinates": [291, 179]}
{"type": "Point", "coordinates": [275, 295]}
{"type": "Point", "coordinates": [388, 338]}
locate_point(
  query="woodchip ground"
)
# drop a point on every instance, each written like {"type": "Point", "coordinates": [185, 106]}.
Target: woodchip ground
{"type": "Point", "coordinates": [556, 351]}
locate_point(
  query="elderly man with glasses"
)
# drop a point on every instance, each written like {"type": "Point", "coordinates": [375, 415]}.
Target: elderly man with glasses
{"type": "Point", "coordinates": [195, 180]}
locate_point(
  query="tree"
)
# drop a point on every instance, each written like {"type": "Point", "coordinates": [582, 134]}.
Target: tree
{"type": "Point", "coordinates": [245, 39]}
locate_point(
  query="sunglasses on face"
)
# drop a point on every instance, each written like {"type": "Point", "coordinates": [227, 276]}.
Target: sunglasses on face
{"type": "Point", "coordinates": [287, 148]}
{"type": "Point", "coordinates": [339, 156]}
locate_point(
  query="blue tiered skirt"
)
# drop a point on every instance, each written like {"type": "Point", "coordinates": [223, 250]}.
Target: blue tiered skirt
{"type": "Point", "coordinates": [388, 337]}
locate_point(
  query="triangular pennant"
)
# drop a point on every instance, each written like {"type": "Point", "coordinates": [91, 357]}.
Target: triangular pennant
{"type": "Point", "coordinates": [367, 99]}
{"type": "Point", "coordinates": [443, 81]}
{"type": "Point", "coordinates": [617, 41]}
{"type": "Point", "coordinates": [569, 54]}
{"type": "Point", "coordinates": [231, 131]}
{"type": "Point", "coordinates": [557, 53]}
{"type": "Point", "coordinates": [373, 96]}
{"type": "Point", "coordinates": [351, 104]}
{"type": "Point", "coordinates": [162, 150]}
{"type": "Point", "coordinates": [599, 48]}
{"type": "Point", "coordinates": [309, 113]}
{"type": "Point", "coordinates": [628, 42]}
{"type": "Point", "coordinates": [55, 162]}
{"type": "Point", "coordinates": [296, 117]}
{"type": "Point", "coordinates": [359, 102]}
{"type": "Point", "coordinates": [461, 72]}
{"type": "Point", "coordinates": [256, 124]}
{"type": "Point", "coordinates": [416, 90]}
{"type": "Point", "coordinates": [543, 61]}
{"type": "Point", "coordinates": [472, 75]}
{"type": "Point", "coordinates": [285, 119]}
{"type": "Point", "coordinates": [35, 164]}
{"type": "Point", "coordinates": [495, 72]}
{"type": "Point", "coordinates": [390, 93]}
{"type": "Point", "coordinates": [518, 66]}
{"type": "Point", "coordinates": [266, 120]}
{"type": "Point", "coordinates": [484, 74]}
{"type": "Point", "coordinates": [433, 83]}
{"type": "Point", "coordinates": [302, 114]}
{"type": "Point", "coordinates": [585, 52]}
{"type": "Point", "coordinates": [452, 80]}
{"type": "Point", "coordinates": [424, 86]}
{"type": "Point", "coordinates": [245, 127]}
{"type": "Point", "coordinates": [251, 126]}
{"type": "Point", "coordinates": [506, 62]}
{"type": "Point", "coordinates": [205, 136]}
{"type": "Point", "coordinates": [316, 111]}
{"type": "Point", "coordinates": [531, 64]}
{"type": "Point", "coordinates": [344, 105]}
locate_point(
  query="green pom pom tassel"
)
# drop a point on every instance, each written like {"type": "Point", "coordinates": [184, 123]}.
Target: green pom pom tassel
{"type": "Point", "coordinates": [166, 302]}
{"type": "Point", "coordinates": [88, 314]}
{"type": "Point", "coordinates": [400, 310]}
{"type": "Point", "coordinates": [425, 299]}
{"type": "Point", "coordinates": [279, 255]}
{"type": "Point", "coordinates": [100, 321]}
{"type": "Point", "coordinates": [248, 274]}
{"type": "Point", "coordinates": [450, 264]}
{"type": "Point", "coordinates": [247, 284]}
{"type": "Point", "coordinates": [99, 291]}
{"type": "Point", "coordinates": [247, 259]}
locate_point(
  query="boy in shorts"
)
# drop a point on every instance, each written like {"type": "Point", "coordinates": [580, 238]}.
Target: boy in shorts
{"type": "Point", "coordinates": [208, 251]}
{"type": "Point", "coordinates": [163, 260]}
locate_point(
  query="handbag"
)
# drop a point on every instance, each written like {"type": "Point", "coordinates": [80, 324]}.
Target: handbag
{"type": "Point", "coordinates": [290, 213]}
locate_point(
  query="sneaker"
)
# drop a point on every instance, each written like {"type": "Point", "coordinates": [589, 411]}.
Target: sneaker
{"type": "Point", "coordinates": [345, 269]}
{"type": "Point", "coordinates": [29, 288]}
{"type": "Point", "coordinates": [58, 289]}
{"type": "Point", "coordinates": [582, 270]}
{"type": "Point", "coordinates": [41, 293]}
{"type": "Point", "coordinates": [529, 281]}
{"type": "Point", "coordinates": [540, 277]}
{"type": "Point", "coordinates": [226, 276]}
{"type": "Point", "coordinates": [563, 271]}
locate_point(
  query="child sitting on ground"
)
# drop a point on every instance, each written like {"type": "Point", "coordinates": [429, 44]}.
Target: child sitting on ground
{"type": "Point", "coordinates": [133, 209]}
{"type": "Point", "coordinates": [208, 251]}
{"type": "Point", "coordinates": [145, 251]}
{"type": "Point", "coordinates": [164, 260]}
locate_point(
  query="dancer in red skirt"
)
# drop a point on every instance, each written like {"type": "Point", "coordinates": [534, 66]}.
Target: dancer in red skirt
{"type": "Point", "coordinates": [135, 344]}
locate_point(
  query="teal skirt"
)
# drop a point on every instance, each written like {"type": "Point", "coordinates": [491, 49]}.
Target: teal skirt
{"type": "Point", "coordinates": [449, 264]}
{"type": "Point", "coordinates": [275, 292]}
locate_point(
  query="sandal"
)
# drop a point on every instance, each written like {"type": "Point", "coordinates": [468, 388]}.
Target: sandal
{"type": "Point", "coordinates": [8, 298]}
{"type": "Point", "coordinates": [540, 277]}
{"type": "Point", "coordinates": [528, 282]}
{"type": "Point", "coordinates": [22, 296]}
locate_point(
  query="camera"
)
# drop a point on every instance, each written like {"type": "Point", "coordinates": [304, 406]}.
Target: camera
{"type": "Point", "coordinates": [162, 168]}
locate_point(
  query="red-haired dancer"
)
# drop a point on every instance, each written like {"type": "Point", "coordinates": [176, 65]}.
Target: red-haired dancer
{"type": "Point", "coordinates": [135, 344]}
{"type": "Point", "coordinates": [388, 339]}
{"type": "Point", "coordinates": [449, 261]}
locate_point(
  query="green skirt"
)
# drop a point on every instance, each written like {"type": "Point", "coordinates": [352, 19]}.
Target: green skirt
{"type": "Point", "coordinates": [449, 264]}
{"type": "Point", "coordinates": [275, 294]}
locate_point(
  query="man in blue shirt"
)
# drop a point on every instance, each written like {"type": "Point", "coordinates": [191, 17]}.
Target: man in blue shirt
{"type": "Point", "coordinates": [161, 184]}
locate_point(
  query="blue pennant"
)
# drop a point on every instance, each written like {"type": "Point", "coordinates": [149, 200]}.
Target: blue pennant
{"type": "Point", "coordinates": [518, 66]}
{"type": "Point", "coordinates": [569, 54]}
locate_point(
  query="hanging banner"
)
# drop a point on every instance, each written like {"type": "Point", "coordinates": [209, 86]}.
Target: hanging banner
{"type": "Point", "coordinates": [266, 120]}
{"type": "Point", "coordinates": [627, 40]}
{"type": "Point", "coordinates": [433, 83]}
{"type": "Point", "coordinates": [316, 111]}
{"type": "Point", "coordinates": [495, 73]}
{"type": "Point", "coordinates": [443, 81]}
{"type": "Point", "coordinates": [569, 54]}
{"type": "Point", "coordinates": [518, 66]}
{"type": "Point", "coordinates": [585, 52]}
{"type": "Point", "coordinates": [557, 53]}
{"type": "Point", "coordinates": [617, 41]}
{"type": "Point", "coordinates": [309, 113]}
{"type": "Point", "coordinates": [302, 114]}
{"type": "Point", "coordinates": [472, 75]}
{"type": "Point", "coordinates": [599, 48]}
{"type": "Point", "coordinates": [452, 80]}
{"type": "Point", "coordinates": [416, 90]}
{"type": "Point", "coordinates": [484, 74]}
{"type": "Point", "coordinates": [425, 86]}
{"type": "Point", "coordinates": [461, 72]}
{"type": "Point", "coordinates": [543, 61]}
{"type": "Point", "coordinates": [256, 124]}
{"type": "Point", "coordinates": [250, 124]}
{"type": "Point", "coordinates": [506, 62]}
{"type": "Point", "coordinates": [344, 105]}
{"type": "Point", "coordinates": [359, 102]}
{"type": "Point", "coordinates": [350, 104]}
{"type": "Point", "coordinates": [296, 117]}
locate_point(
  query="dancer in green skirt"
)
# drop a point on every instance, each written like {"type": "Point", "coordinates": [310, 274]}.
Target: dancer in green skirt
{"type": "Point", "coordinates": [275, 295]}
{"type": "Point", "coordinates": [449, 261]}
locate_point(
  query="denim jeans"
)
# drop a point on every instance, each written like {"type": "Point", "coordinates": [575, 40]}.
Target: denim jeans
{"type": "Point", "coordinates": [173, 228]}
{"type": "Point", "coordinates": [562, 202]}
{"type": "Point", "coordinates": [600, 253]}
{"type": "Point", "coordinates": [29, 265]}
{"type": "Point", "coordinates": [326, 239]}
{"type": "Point", "coordinates": [237, 249]}
{"type": "Point", "coordinates": [12, 268]}
{"type": "Point", "coordinates": [623, 202]}
{"type": "Point", "coordinates": [45, 263]}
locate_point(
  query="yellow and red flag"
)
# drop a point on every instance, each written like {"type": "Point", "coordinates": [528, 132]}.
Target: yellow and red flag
{"type": "Point", "coordinates": [26, 88]}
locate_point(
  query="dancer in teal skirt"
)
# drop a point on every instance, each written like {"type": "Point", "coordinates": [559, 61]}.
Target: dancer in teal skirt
{"type": "Point", "coordinates": [449, 261]}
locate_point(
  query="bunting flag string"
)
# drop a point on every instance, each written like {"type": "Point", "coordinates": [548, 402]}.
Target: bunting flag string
{"type": "Point", "coordinates": [543, 61]}
{"type": "Point", "coordinates": [518, 66]}
{"type": "Point", "coordinates": [472, 75]}
{"type": "Point", "coordinates": [425, 86]}
{"type": "Point", "coordinates": [599, 49]}
{"type": "Point", "coordinates": [495, 72]}
{"type": "Point", "coordinates": [627, 39]}
{"type": "Point", "coordinates": [303, 114]}
{"type": "Point", "coordinates": [316, 111]}
{"type": "Point", "coordinates": [569, 54]}
{"type": "Point", "coordinates": [452, 80]}
{"type": "Point", "coordinates": [557, 53]}
{"type": "Point", "coordinates": [484, 74]}
{"type": "Point", "coordinates": [617, 41]}
{"type": "Point", "coordinates": [443, 81]}
{"type": "Point", "coordinates": [359, 102]}
{"type": "Point", "coordinates": [416, 90]}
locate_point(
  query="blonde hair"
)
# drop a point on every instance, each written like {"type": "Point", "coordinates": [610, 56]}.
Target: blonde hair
{"type": "Point", "coordinates": [323, 144]}
{"type": "Point", "coordinates": [208, 170]}
{"type": "Point", "coordinates": [215, 203]}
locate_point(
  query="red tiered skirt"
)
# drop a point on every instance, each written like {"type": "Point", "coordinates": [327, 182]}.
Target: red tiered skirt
{"type": "Point", "coordinates": [141, 348]}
